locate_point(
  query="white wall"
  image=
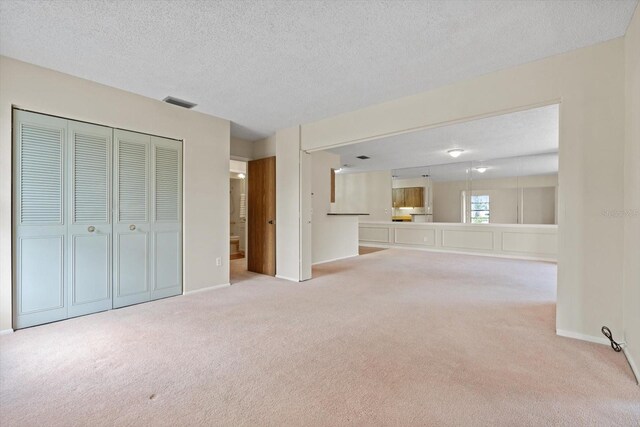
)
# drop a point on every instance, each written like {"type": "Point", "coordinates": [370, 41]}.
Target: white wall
{"type": "Point", "coordinates": [538, 205]}
{"type": "Point", "coordinates": [366, 192]}
{"type": "Point", "coordinates": [264, 148]}
{"type": "Point", "coordinates": [206, 160]}
{"type": "Point", "coordinates": [632, 194]}
{"type": "Point", "coordinates": [333, 237]}
{"type": "Point", "coordinates": [241, 149]}
{"type": "Point", "coordinates": [589, 84]}
{"type": "Point", "coordinates": [288, 242]}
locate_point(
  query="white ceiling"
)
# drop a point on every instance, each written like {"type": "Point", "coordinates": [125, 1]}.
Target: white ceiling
{"type": "Point", "coordinates": [267, 65]}
{"type": "Point", "coordinates": [523, 133]}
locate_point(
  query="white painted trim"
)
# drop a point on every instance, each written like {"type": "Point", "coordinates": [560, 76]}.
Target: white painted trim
{"type": "Point", "coordinates": [604, 341]}
{"type": "Point", "coordinates": [335, 259]}
{"type": "Point", "coordinates": [291, 279]}
{"type": "Point", "coordinates": [632, 364]}
{"type": "Point", "coordinates": [455, 251]}
{"type": "Point", "coordinates": [209, 288]}
{"type": "Point", "coordinates": [583, 337]}
{"type": "Point", "coordinates": [240, 158]}
{"type": "Point", "coordinates": [6, 331]}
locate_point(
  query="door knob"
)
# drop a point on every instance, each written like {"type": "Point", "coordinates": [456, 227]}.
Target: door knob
{"type": "Point", "coordinates": [132, 227]}
{"type": "Point", "coordinates": [91, 229]}
{"type": "Point", "coordinates": [270, 221]}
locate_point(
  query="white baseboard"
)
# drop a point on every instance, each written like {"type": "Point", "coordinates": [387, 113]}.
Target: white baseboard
{"type": "Point", "coordinates": [605, 341]}
{"type": "Point", "coordinates": [632, 363]}
{"type": "Point", "coordinates": [6, 331]}
{"type": "Point", "coordinates": [583, 337]}
{"type": "Point", "coordinates": [209, 288]}
{"type": "Point", "coordinates": [334, 259]}
{"type": "Point", "coordinates": [291, 279]}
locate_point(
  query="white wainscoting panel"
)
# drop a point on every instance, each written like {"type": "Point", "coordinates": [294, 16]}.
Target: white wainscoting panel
{"type": "Point", "coordinates": [415, 237]}
{"type": "Point", "coordinates": [467, 239]}
{"type": "Point", "coordinates": [374, 234]}
{"type": "Point", "coordinates": [538, 242]}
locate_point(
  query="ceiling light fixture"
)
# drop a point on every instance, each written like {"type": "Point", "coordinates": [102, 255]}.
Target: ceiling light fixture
{"type": "Point", "coordinates": [455, 152]}
{"type": "Point", "coordinates": [482, 169]}
{"type": "Point", "coordinates": [337, 170]}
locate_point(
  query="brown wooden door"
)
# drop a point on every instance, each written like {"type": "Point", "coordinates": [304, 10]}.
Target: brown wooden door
{"type": "Point", "coordinates": [261, 216]}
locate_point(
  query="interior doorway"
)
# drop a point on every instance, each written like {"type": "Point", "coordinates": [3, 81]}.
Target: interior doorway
{"type": "Point", "coordinates": [238, 207]}
{"type": "Point", "coordinates": [252, 196]}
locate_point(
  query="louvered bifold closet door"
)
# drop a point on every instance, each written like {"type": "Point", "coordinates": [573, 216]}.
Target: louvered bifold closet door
{"type": "Point", "coordinates": [89, 218]}
{"type": "Point", "coordinates": [39, 219]}
{"type": "Point", "coordinates": [131, 229]}
{"type": "Point", "coordinates": [166, 223]}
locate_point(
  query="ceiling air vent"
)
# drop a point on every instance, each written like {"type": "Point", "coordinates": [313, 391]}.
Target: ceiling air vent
{"type": "Point", "coordinates": [179, 102]}
{"type": "Point", "coordinates": [364, 157]}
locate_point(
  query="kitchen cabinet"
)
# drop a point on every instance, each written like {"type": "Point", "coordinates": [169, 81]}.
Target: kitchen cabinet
{"type": "Point", "coordinates": [398, 197]}
{"type": "Point", "coordinates": [414, 197]}
{"type": "Point", "coordinates": [410, 197]}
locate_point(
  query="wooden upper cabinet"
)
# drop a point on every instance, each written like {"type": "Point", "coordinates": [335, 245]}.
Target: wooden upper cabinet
{"type": "Point", "coordinates": [398, 197]}
{"type": "Point", "coordinates": [414, 197]}
{"type": "Point", "coordinates": [411, 197]}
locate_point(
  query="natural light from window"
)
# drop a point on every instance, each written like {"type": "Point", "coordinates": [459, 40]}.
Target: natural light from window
{"type": "Point", "coordinates": [480, 213]}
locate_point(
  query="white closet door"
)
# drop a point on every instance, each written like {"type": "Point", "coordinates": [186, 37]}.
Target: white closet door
{"type": "Point", "coordinates": [166, 217]}
{"type": "Point", "coordinates": [89, 218]}
{"type": "Point", "coordinates": [39, 219]}
{"type": "Point", "coordinates": [131, 229]}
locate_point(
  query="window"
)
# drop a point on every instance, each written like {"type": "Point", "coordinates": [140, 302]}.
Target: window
{"type": "Point", "coordinates": [480, 212]}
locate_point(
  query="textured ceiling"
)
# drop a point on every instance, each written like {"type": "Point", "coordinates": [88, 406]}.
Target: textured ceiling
{"type": "Point", "coordinates": [267, 65]}
{"type": "Point", "coordinates": [523, 133]}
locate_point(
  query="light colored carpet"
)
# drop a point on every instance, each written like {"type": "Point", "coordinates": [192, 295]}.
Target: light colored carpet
{"type": "Point", "coordinates": [392, 338]}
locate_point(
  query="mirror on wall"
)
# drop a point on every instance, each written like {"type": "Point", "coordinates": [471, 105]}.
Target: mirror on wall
{"type": "Point", "coordinates": [496, 170]}
{"type": "Point", "coordinates": [514, 190]}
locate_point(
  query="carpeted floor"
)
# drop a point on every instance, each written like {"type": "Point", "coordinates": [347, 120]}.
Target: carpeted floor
{"type": "Point", "coordinates": [391, 338]}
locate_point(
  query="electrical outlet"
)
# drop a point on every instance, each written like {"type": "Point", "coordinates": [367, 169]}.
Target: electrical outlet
{"type": "Point", "coordinates": [218, 261]}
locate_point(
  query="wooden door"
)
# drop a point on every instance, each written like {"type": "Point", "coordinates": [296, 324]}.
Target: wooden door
{"type": "Point", "coordinates": [131, 228]}
{"type": "Point", "coordinates": [261, 216]}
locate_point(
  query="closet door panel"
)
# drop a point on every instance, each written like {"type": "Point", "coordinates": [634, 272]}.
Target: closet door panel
{"type": "Point", "coordinates": [168, 273]}
{"type": "Point", "coordinates": [132, 246]}
{"type": "Point", "coordinates": [167, 217]}
{"type": "Point", "coordinates": [133, 249]}
{"type": "Point", "coordinates": [41, 273]}
{"type": "Point", "coordinates": [90, 227]}
{"type": "Point", "coordinates": [39, 224]}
